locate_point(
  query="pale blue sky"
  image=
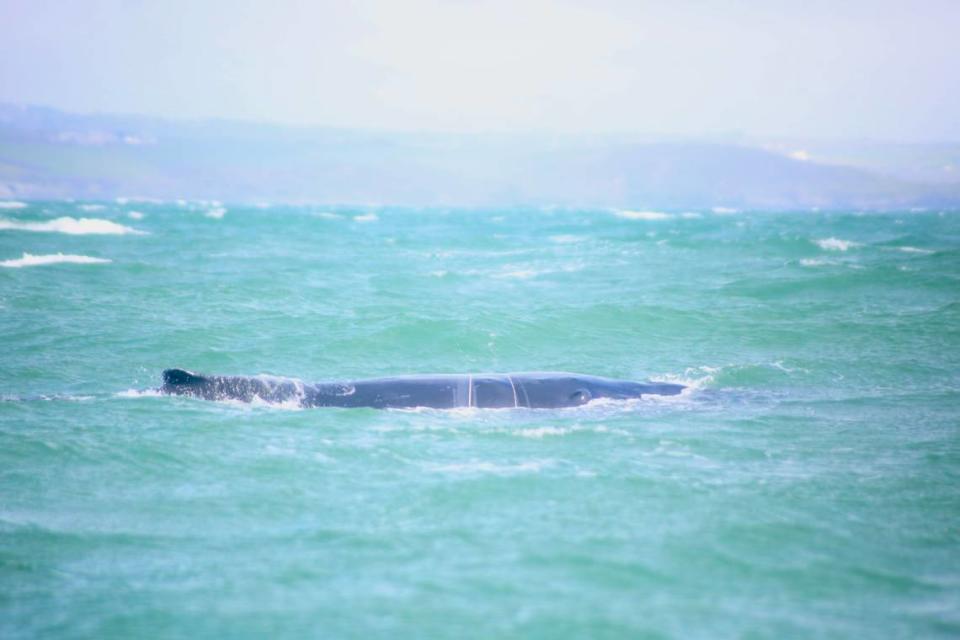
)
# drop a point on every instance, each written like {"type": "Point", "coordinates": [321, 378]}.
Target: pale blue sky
{"type": "Point", "coordinates": [855, 69]}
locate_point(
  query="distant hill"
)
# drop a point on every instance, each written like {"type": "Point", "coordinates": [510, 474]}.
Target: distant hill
{"type": "Point", "coordinates": [45, 153]}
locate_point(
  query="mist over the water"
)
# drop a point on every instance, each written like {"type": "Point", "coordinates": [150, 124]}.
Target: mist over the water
{"type": "Point", "coordinates": [858, 69]}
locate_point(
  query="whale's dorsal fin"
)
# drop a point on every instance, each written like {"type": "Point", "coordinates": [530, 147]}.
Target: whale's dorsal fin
{"type": "Point", "coordinates": [180, 376]}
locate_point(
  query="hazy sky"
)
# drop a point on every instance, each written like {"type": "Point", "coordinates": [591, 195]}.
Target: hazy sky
{"type": "Point", "coordinates": [870, 68]}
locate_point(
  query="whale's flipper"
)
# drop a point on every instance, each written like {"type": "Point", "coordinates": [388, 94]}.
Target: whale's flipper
{"type": "Point", "coordinates": [181, 377]}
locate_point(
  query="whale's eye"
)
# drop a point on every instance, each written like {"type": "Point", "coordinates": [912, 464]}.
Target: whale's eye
{"type": "Point", "coordinates": [580, 396]}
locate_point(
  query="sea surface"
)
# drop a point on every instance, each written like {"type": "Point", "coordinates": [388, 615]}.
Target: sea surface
{"type": "Point", "coordinates": [807, 484]}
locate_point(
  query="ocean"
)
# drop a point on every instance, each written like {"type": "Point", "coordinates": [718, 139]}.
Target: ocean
{"type": "Point", "coordinates": [806, 484]}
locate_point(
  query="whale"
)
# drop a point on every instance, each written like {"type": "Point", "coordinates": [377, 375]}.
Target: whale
{"type": "Point", "coordinates": [536, 390]}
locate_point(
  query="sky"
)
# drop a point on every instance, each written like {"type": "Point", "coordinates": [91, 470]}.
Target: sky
{"type": "Point", "coordinates": [854, 69]}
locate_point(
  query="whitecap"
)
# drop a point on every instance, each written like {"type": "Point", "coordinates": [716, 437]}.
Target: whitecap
{"type": "Point", "coordinates": [482, 467]}
{"type": "Point", "coordinates": [724, 210]}
{"type": "Point", "coordinates": [30, 260]}
{"type": "Point", "coordinates": [139, 393]}
{"type": "Point", "coordinates": [813, 262]}
{"type": "Point", "coordinates": [135, 215]}
{"type": "Point", "coordinates": [690, 215]}
{"type": "Point", "coordinates": [524, 272]}
{"type": "Point", "coordinates": [642, 215]}
{"type": "Point", "coordinates": [520, 274]}
{"type": "Point", "coordinates": [538, 433]}
{"type": "Point", "coordinates": [566, 239]}
{"type": "Point", "coordinates": [366, 217]}
{"type": "Point", "coordinates": [11, 204]}
{"type": "Point", "coordinates": [71, 226]}
{"type": "Point", "coordinates": [327, 215]}
{"type": "Point", "coordinates": [693, 379]}
{"type": "Point", "coordinates": [916, 250]}
{"type": "Point", "coordinates": [835, 244]}
{"type": "Point", "coordinates": [91, 207]}
{"type": "Point", "coordinates": [216, 213]}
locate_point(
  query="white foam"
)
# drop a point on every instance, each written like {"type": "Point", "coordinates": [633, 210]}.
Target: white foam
{"type": "Point", "coordinates": [520, 274]}
{"type": "Point", "coordinates": [290, 404]}
{"type": "Point", "coordinates": [813, 262]}
{"type": "Point", "coordinates": [127, 199]}
{"type": "Point", "coordinates": [566, 239]}
{"type": "Point", "coordinates": [135, 215]}
{"type": "Point", "coordinates": [30, 260]}
{"type": "Point", "coordinates": [835, 244]}
{"type": "Point", "coordinates": [538, 433]}
{"type": "Point", "coordinates": [915, 250]}
{"type": "Point", "coordinates": [642, 215]}
{"type": "Point", "coordinates": [139, 393]}
{"type": "Point", "coordinates": [366, 217]}
{"type": "Point", "coordinates": [327, 215]}
{"type": "Point", "coordinates": [71, 226]}
{"type": "Point", "coordinates": [91, 207]}
{"type": "Point", "coordinates": [690, 215]}
{"type": "Point", "coordinates": [693, 379]}
{"type": "Point", "coordinates": [10, 204]}
{"type": "Point", "coordinates": [475, 467]}
{"type": "Point", "coordinates": [724, 210]}
{"type": "Point", "coordinates": [216, 213]}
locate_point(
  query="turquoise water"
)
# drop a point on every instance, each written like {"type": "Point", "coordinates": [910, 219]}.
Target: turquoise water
{"type": "Point", "coordinates": [807, 484]}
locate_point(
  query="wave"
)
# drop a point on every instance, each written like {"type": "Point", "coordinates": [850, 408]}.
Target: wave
{"type": "Point", "coordinates": [30, 260]}
{"type": "Point", "coordinates": [366, 217]}
{"type": "Point", "coordinates": [835, 244]}
{"type": "Point", "coordinates": [57, 397]}
{"type": "Point", "coordinates": [642, 215]}
{"type": "Point", "coordinates": [916, 250]}
{"type": "Point", "coordinates": [566, 239]}
{"type": "Point", "coordinates": [11, 204]}
{"type": "Point", "coordinates": [483, 467]}
{"type": "Point", "coordinates": [71, 226]}
{"type": "Point", "coordinates": [91, 207]}
{"type": "Point", "coordinates": [139, 393]}
{"type": "Point", "coordinates": [521, 272]}
{"type": "Point", "coordinates": [538, 433]}
{"type": "Point", "coordinates": [216, 213]}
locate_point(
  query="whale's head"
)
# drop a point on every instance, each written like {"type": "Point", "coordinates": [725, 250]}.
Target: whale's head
{"type": "Point", "coordinates": [548, 390]}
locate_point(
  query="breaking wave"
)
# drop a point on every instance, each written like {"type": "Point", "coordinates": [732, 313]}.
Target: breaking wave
{"type": "Point", "coordinates": [30, 260]}
{"type": "Point", "coordinates": [642, 215]}
{"type": "Point", "coordinates": [835, 244]}
{"type": "Point", "coordinates": [71, 226]}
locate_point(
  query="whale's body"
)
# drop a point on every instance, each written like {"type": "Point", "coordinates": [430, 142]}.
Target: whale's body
{"type": "Point", "coordinates": [441, 391]}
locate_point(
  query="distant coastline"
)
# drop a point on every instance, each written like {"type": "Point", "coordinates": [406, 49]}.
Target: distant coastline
{"type": "Point", "coordinates": [50, 154]}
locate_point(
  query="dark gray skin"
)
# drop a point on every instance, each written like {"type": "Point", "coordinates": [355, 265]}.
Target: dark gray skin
{"type": "Point", "coordinates": [442, 391]}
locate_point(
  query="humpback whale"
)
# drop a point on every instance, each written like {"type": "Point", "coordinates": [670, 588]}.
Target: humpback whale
{"type": "Point", "coordinates": [440, 391]}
